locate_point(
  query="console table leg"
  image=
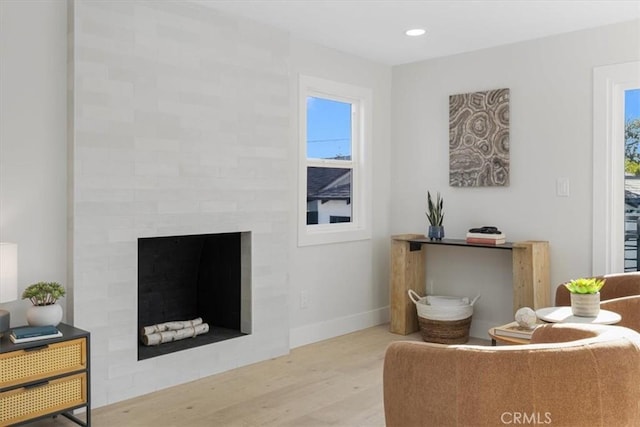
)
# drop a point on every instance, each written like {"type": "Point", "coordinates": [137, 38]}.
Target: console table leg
{"type": "Point", "coordinates": [531, 281]}
{"type": "Point", "coordinates": [407, 272]}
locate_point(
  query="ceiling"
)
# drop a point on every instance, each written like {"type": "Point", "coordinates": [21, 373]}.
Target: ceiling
{"type": "Point", "coordinates": [374, 29]}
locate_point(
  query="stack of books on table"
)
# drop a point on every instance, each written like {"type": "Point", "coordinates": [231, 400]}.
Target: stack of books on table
{"type": "Point", "coordinates": [33, 333]}
{"type": "Point", "coordinates": [514, 330]}
{"type": "Point", "coordinates": [486, 236]}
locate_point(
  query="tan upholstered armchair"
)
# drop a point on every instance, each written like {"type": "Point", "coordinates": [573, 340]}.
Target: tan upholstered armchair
{"type": "Point", "coordinates": [628, 308]}
{"type": "Point", "coordinates": [571, 375]}
{"type": "Point", "coordinates": [621, 293]}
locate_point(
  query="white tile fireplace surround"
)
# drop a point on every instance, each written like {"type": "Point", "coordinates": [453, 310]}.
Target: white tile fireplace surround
{"type": "Point", "coordinates": [179, 126]}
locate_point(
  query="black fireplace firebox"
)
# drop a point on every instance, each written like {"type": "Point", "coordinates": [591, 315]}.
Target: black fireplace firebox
{"type": "Point", "coordinates": [187, 277]}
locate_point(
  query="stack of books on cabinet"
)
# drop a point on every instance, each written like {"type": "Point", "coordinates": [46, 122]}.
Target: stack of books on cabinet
{"type": "Point", "coordinates": [33, 333]}
{"type": "Point", "coordinates": [486, 236]}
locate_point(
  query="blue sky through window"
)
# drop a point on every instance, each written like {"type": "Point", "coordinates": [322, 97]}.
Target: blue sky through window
{"type": "Point", "coordinates": [631, 104]}
{"type": "Point", "coordinates": [328, 128]}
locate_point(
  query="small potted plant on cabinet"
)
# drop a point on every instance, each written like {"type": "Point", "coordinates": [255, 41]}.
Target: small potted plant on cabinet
{"type": "Point", "coordinates": [44, 297]}
{"type": "Point", "coordinates": [435, 214]}
{"type": "Point", "coordinates": [585, 296]}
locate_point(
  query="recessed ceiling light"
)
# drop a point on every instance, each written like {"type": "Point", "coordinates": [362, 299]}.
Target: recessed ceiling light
{"type": "Point", "coordinates": [415, 32]}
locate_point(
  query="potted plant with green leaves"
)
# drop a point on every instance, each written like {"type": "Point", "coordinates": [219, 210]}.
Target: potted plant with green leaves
{"type": "Point", "coordinates": [585, 296]}
{"type": "Point", "coordinates": [44, 297]}
{"type": "Point", "coordinates": [435, 215]}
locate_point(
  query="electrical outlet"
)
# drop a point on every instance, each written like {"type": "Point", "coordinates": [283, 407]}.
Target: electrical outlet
{"type": "Point", "coordinates": [304, 299]}
{"type": "Point", "coordinates": [562, 187]}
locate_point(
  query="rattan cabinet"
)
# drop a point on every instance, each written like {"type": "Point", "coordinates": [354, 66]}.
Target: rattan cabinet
{"type": "Point", "coordinates": [45, 378]}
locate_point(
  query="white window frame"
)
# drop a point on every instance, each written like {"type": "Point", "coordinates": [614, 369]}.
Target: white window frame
{"type": "Point", "coordinates": [361, 122]}
{"type": "Point", "coordinates": [609, 85]}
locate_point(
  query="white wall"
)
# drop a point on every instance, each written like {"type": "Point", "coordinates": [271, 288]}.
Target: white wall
{"type": "Point", "coordinates": [346, 284]}
{"type": "Point", "coordinates": [33, 49]}
{"type": "Point", "coordinates": [551, 137]}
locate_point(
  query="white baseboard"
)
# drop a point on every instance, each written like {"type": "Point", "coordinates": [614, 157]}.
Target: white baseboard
{"type": "Point", "coordinates": [335, 327]}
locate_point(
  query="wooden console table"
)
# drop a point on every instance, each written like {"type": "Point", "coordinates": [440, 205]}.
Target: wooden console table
{"type": "Point", "coordinates": [531, 281]}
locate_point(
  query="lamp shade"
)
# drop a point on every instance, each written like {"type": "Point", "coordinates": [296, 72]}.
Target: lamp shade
{"type": "Point", "coordinates": [8, 272]}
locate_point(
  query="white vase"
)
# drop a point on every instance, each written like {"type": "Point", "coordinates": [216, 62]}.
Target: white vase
{"type": "Point", "coordinates": [42, 315]}
{"type": "Point", "coordinates": [585, 305]}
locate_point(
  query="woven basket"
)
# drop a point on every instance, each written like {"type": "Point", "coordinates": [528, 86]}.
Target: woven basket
{"type": "Point", "coordinates": [437, 307]}
{"type": "Point", "coordinates": [445, 331]}
{"type": "Point", "coordinates": [443, 320]}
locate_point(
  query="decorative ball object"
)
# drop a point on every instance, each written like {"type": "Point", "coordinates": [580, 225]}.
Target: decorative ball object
{"type": "Point", "coordinates": [526, 317]}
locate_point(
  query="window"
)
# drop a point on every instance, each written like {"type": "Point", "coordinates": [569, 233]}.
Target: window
{"type": "Point", "coordinates": [632, 179]}
{"type": "Point", "coordinates": [609, 85]}
{"type": "Point", "coordinates": [335, 174]}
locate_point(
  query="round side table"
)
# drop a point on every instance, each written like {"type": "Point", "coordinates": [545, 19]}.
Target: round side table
{"type": "Point", "coordinates": [559, 315]}
{"type": "Point", "coordinates": [564, 315]}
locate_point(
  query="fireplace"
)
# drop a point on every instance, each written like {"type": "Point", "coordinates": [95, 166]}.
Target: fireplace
{"type": "Point", "coordinates": [182, 278]}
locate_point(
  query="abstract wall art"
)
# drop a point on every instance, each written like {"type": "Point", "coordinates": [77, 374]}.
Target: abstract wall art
{"type": "Point", "coordinates": [479, 139]}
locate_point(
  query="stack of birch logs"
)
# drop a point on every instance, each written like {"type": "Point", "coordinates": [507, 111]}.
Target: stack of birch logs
{"type": "Point", "coordinates": [172, 331]}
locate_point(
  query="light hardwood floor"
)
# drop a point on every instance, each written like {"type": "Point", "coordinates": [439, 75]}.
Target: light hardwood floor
{"type": "Point", "coordinates": [337, 382]}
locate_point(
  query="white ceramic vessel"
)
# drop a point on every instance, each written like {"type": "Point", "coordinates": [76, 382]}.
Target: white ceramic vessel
{"type": "Point", "coordinates": [42, 315]}
{"type": "Point", "coordinates": [585, 305]}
